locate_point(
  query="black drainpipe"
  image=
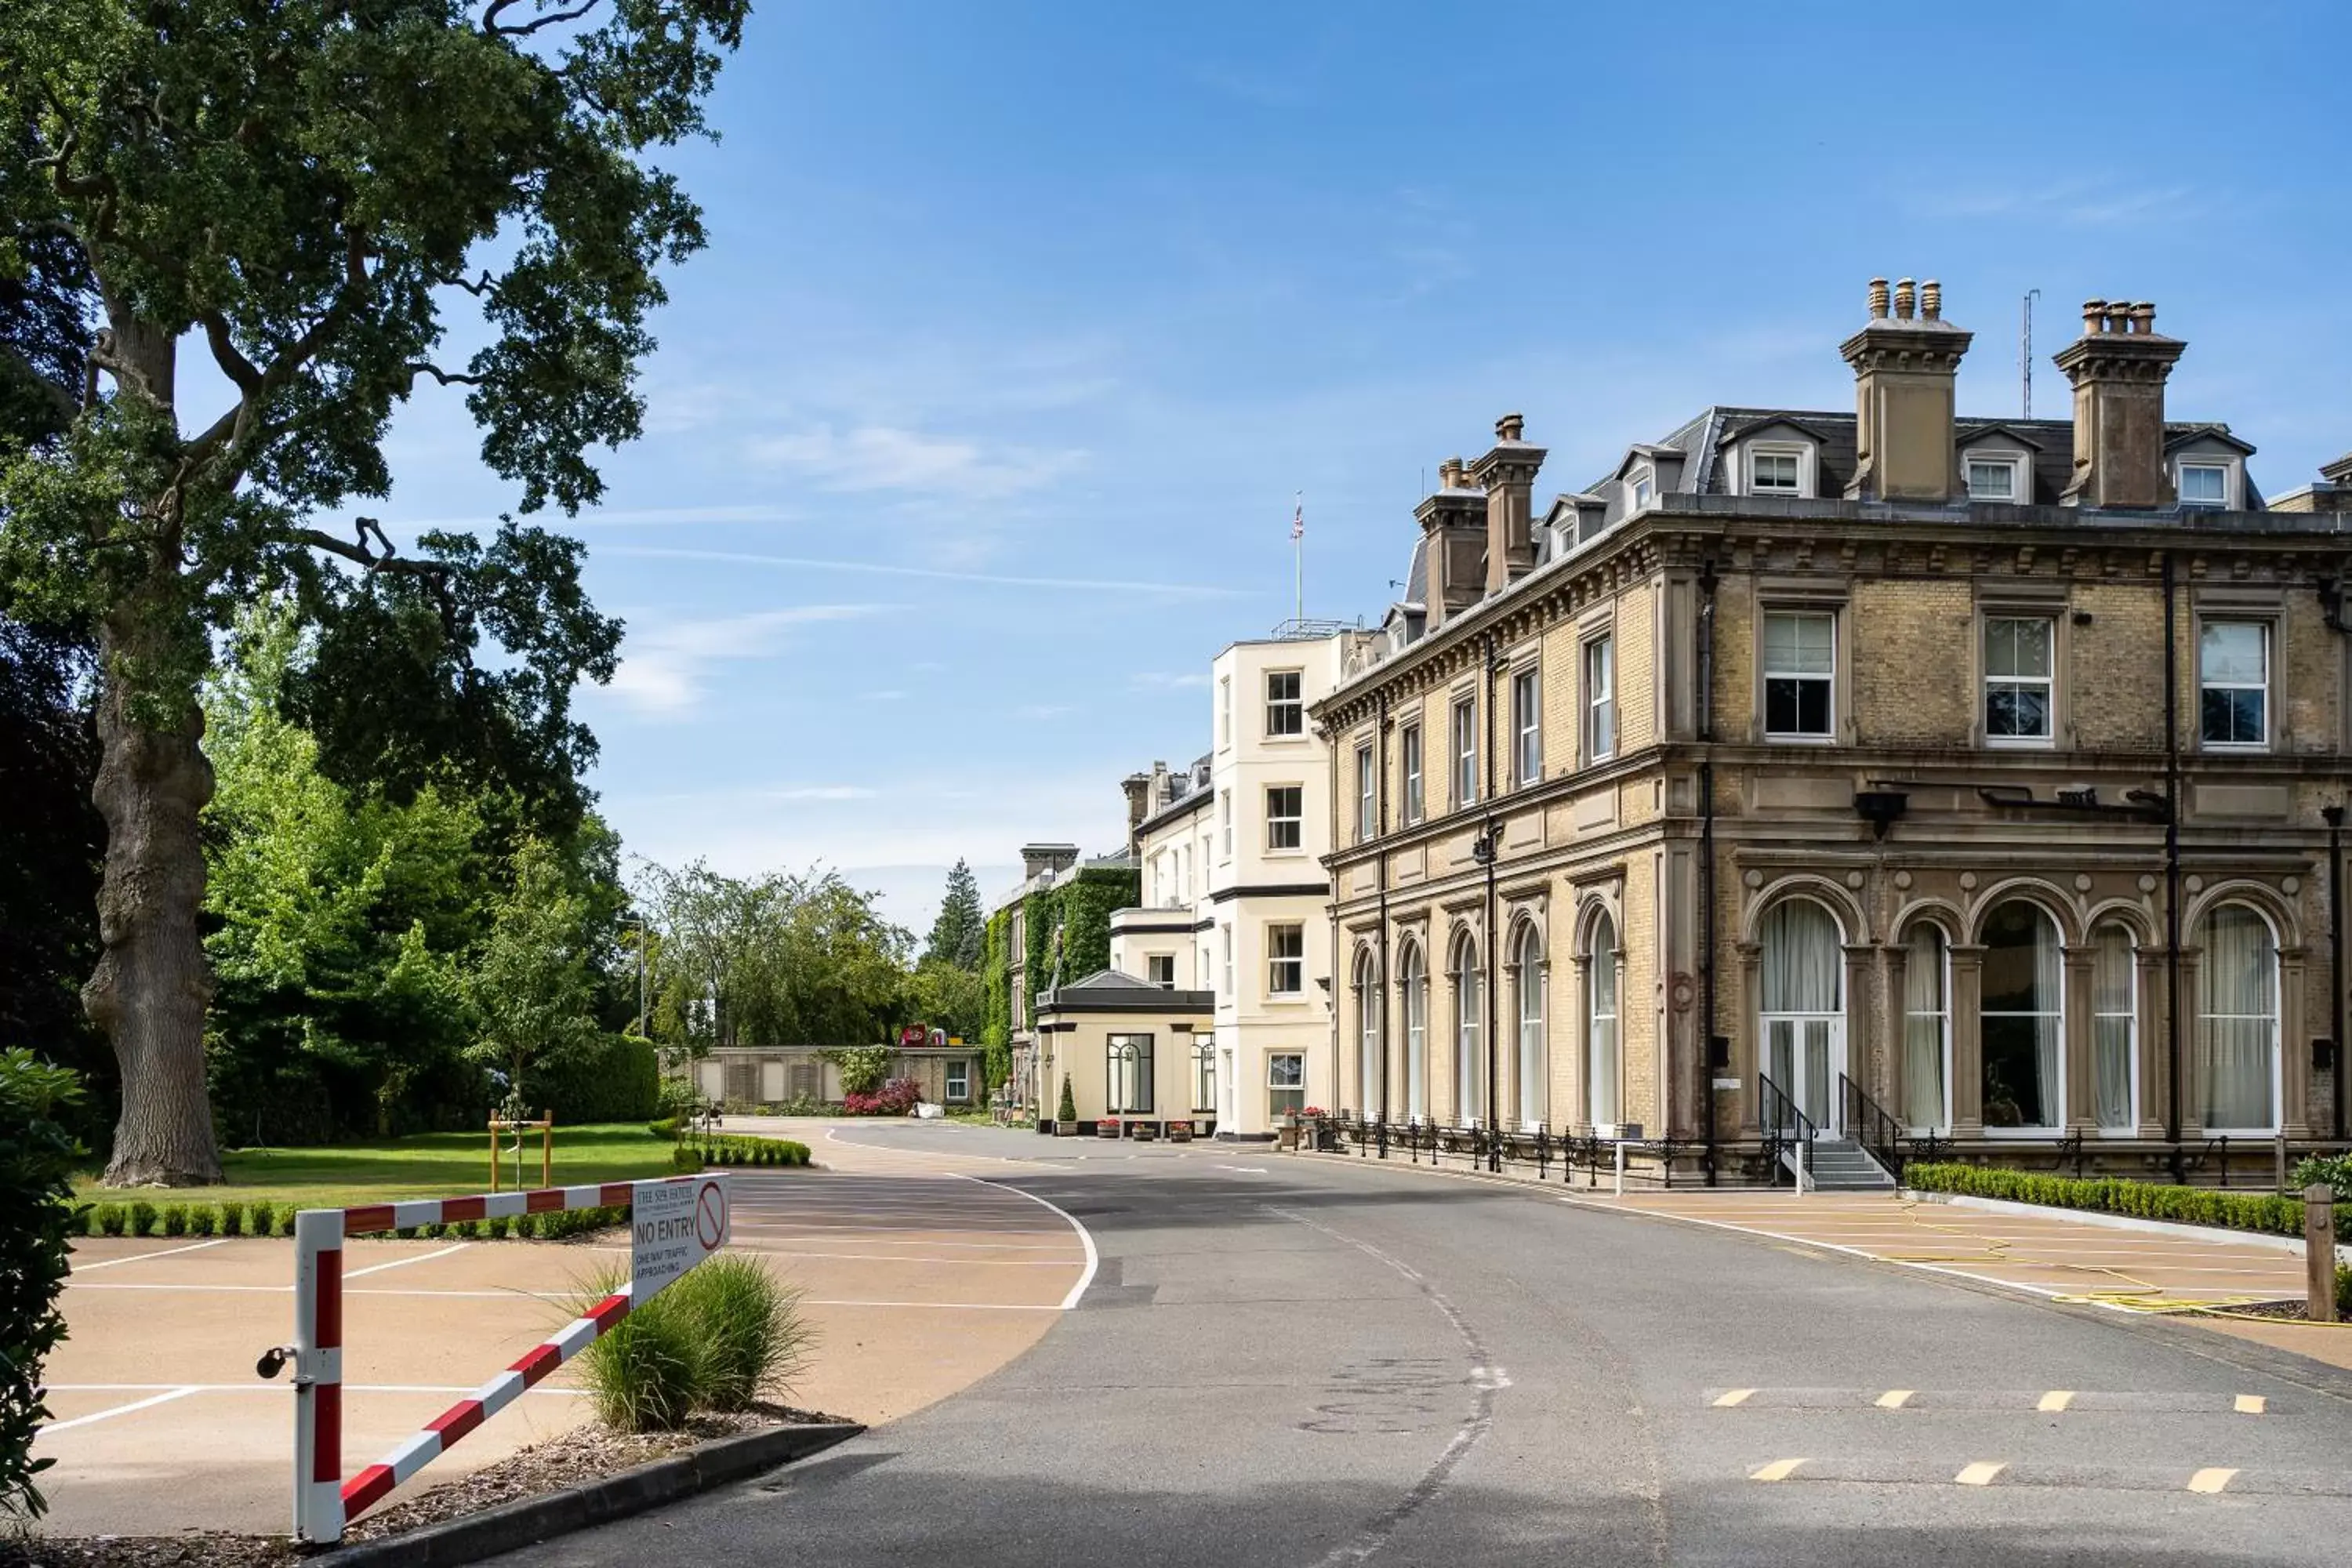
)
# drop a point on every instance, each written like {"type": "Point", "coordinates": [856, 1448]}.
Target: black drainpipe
{"type": "Point", "coordinates": [2171, 870]}
{"type": "Point", "coordinates": [1380, 825]}
{"type": "Point", "coordinates": [1492, 833]}
{"type": "Point", "coordinates": [2334, 816]}
{"type": "Point", "coordinates": [1706, 856]}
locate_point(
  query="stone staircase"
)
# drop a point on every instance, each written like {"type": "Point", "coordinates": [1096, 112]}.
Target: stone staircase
{"type": "Point", "coordinates": [1840, 1165]}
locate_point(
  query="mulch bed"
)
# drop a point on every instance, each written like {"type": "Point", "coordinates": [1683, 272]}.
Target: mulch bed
{"type": "Point", "coordinates": [587, 1453]}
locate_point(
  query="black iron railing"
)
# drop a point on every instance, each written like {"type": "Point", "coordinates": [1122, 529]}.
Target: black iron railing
{"type": "Point", "coordinates": [1784, 1123]}
{"type": "Point", "coordinates": [1868, 1124]}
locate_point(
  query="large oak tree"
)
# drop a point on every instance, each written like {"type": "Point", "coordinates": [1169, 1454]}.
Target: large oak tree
{"type": "Point", "coordinates": [317, 197]}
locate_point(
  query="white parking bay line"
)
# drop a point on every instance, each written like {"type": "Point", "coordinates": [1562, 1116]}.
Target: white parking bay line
{"type": "Point", "coordinates": [405, 1262]}
{"type": "Point", "coordinates": [109, 1414]}
{"type": "Point", "coordinates": [1246, 1170]}
{"type": "Point", "coordinates": [143, 1257]}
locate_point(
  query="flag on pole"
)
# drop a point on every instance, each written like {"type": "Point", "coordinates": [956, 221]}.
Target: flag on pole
{"type": "Point", "coordinates": [1298, 517]}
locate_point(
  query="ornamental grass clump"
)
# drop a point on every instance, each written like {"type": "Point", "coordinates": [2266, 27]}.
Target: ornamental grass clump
{"type": "Point", "coordinates": [753, 1340]}
{"type": "Point", "coordinates": [647, 1372]}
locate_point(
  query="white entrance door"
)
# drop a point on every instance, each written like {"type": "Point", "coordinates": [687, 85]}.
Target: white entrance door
{"type": "Point", "coordinates": [1803, 1054]}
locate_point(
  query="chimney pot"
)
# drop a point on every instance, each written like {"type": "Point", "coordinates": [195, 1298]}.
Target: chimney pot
{"type": "Point", "coordinates": [2095, 316]}
{"type": "Point", "coordinates": [1904, 295]}
{"type": "Point", "coordinates": [1510, 427]}
{"type": "Point", "coordinates": [2119, 315]}
{"type": "Point", "coordinates": [2144, 315]}
{"type": "Point", "coordinates": [1878, 299]}
{"type": "Point", "coordinates": [1904, 371]}
{"type": "Point", "coordinates": [2118, 368]}
{"type": "Point", "coordinates": [1931, 300]}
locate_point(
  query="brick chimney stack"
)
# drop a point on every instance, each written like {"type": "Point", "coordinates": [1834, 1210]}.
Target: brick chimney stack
{"type": "Point", "coordinates": [2119, 366]}
{"type": "Point", "coordinates": [1904, 368]}
{"type": "Point", "coordinates": [1139, 800]}
{"type": "Point", "coordinates": [1507, 474]}
{"type": "Point", "coordinates": [1454, 539]}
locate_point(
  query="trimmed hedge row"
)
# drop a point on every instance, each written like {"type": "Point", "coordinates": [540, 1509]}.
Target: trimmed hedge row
{"type": "Point", "coordinates": [143, 1218]}
{"type": "Point", "coordinates": [739, 1152]}
{"type": "Point", "coordinates": [2112, 1194]}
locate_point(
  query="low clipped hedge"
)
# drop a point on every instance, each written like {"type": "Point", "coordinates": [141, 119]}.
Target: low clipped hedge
{"type": "Point", "coordinates": [2112, 1194]}
{"type": "Point", "coordinates": [268, 1220]}
{"type": "Point", "coordinates": [738, 1154]}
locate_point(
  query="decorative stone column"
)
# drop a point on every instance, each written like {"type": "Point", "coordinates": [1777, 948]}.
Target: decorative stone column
{"type": "Point", "coordinates": [1892, 1087]}
{"type": "Point", "coordinates": [2294, 1066]}
{"type": "Point", "coordinates": [2192, 1071]}
{"type": "Point", "coordinates": [1747, 1047]}
{"type": "Point", "coordinates": [1580, 1059]}
{"type": "Point", "coordinates": [1863, 1062]}
{"type": "Point", "coordinates": [2074, 1040]}
{"type": "Point", "coordinates": [1968, 1041]}
{"type": "Point", "coordinates": [2148, 1042]}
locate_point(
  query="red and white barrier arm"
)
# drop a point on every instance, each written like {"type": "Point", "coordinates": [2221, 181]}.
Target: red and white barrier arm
{"type": "Point", "coordinates": [322, 1503]}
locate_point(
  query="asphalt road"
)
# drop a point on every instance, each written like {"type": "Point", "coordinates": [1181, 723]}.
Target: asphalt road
{"type": "Point", "coordinates": [1294, 1362]}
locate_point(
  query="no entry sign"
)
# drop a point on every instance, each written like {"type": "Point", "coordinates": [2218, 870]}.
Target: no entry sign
{"type": "Point", "coordinates": [673, 1225]}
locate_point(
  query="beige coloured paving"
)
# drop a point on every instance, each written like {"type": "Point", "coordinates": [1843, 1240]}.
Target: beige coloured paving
{"type": "Point", "coordinates": [2053, 1257]}
{"type": "Point", "coordinates": [917, 1281]}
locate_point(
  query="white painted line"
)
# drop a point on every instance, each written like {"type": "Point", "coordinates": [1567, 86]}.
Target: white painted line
{"type": "Point", "coordinates": [830, 1136]}
{"type": "Point", "coordinates": [1245, 1170]}
{"type": "Point", "coordinates": [943, 1306]}
{"type": "Point", "coordinates": [2056, 1400]}
{"type": "Point", "coordinates": [405, 1262]}
{"type": "Point", "coordinates": [900, 1257]}
{"type": "Point", "coordinates": [1894, 1398]}
{"type": "Point", "coordinates": [143, 1257]}
{"type": "Point", "coordinates": [282, 1388]}
{"type": "Point", "coordinates": [2252, 1404]}
{"type": "Point", "coordinates": [1979, 1474]}
{"type": "Point", "coordinates": [2211, 1481]}
{"type": "Point", "coordinates": [1778, 1470]}
{"type": "Point", "coordinates": [1727, 1400]}
{"type": "Point", "coordinates": [109, 1415]}
{"type": "Point", "coordinates": [1094, 1260]}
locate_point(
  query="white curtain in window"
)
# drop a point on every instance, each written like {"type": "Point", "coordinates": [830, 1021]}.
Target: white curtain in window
{"type": "Point", "coordinates": [2238, 1019]}
{"type": "Point", "coordinates": [2047, 983]}
{"type": "Point", "coordinates": [1469, 1010]}
{"type": "Point", "coordinates": [1368, 1025]}
{"type": "Point", "coordinates": [1415, 985]}
{"type": "Point", "coordinates": [1802, 964]}
{"type": "Point", "coordinates": [2114, 1007]}
{"type": "Point", "coordinates": [1927, 1022]}
{"type": "Point", "coordinates": [1601, 1098]}
{"type": "Point", "coordinates": [1531, 1074]}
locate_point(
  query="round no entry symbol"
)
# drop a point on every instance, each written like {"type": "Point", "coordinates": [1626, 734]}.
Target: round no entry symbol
{"type": "Point", "coordinates": [710, 1216]}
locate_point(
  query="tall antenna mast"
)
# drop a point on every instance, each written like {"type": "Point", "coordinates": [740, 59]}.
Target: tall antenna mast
{"type": "Point", "coordinates": [2025, 350]}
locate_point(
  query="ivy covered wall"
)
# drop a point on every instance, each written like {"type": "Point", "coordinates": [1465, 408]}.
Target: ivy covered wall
{"type": "Point", "coordinates": [996, 983]}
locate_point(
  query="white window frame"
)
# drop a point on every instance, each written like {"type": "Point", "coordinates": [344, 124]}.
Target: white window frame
{"type": "Point", "coordinates": [1226, 932]}
{"type": "Point", "coordinates": [959, 1080]}
{"type": "Point", "coordinates": [1290, 710]}
{"type": "Point", "coordinates": [1224, 712]}
{"type": "Point", "coordinates": [1462, 750]}
{"type": "Point", "coordinates": [1152, 964]}
{"type": "Point", "coordinates": [1829, 731]}
{"type": "Point", "coordinates": [1642, 487]}
{"type": "Point", "coordinates": [1527, 726]}
{"type": "Point", "coordinates": [2275, 1018]}
{"type": "Point", "coordinates": [1367, 796]}
{"type": "Point", "coordinates": [1204, 1075]}
{"type": "Point", "coordinates": [2014, 462]}
{"type": "Point", "coordinates": [2048, 684]}
{"type": "Point", "coordinates": [2226, 467]}
{"type": "Point", "coordinates": [1275, 1109]}
{"type": "Point", "coordinates": [1130, 1056]}
{"type": "Point", "coordinates": [1281, 966]}
{"type": "Point", "coordinates": [1799, 451]}
{"type": "Point", "coordinates": [1598, 657]}
{"type": "Point", "coordinates": [2130, 1128]}
{"type": "Point", "coordinates": [1410, 759]}
{"type": "Point", "coordinates": [1469, 975]}
{"type": "Point", "coordinates": [1294, 820]}
{"type": "Point", "coordinates": [1226, 820]}
{"type": "Point", "coordinates": [2270, 665]}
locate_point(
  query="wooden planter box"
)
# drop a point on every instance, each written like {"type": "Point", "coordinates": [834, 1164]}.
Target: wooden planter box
{"type": "Point", "coordinates": [1145, 1131]}
{"type": "Point", "coordinates": [1180, 1133]}
{"type": "Point", "coordinates": [1065, 1129]}
{"type": "Point", "coordinates": [1107, 1128]}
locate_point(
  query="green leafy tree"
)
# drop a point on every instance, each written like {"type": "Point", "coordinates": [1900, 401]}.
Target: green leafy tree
{"type": "Point", "coordinates": [864, 1068]}
{"type": "Point", "coordinates": [944, 996]}
{"type": "Point", "coordinates": [961, 928]}
{"type": "Point", "coordinates": [317, 193]}
{"type": "Point", "coordinates": [532, 986]}
{"type": "Point", "coordinates": [37, 1155]}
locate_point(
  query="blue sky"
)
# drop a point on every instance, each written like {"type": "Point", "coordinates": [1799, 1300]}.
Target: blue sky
{"type": "Point", "coordinates": [973, 435]}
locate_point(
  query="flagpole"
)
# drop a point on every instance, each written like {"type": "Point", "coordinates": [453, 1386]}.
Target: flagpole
{"type": "Point", "coordinates": [1298, 553]}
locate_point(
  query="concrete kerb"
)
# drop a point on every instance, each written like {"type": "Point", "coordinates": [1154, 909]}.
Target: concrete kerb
{"type": "Point", "coordinates": [513, 1525]}
{"type": "Point", "coordinates": [2292, 1244]}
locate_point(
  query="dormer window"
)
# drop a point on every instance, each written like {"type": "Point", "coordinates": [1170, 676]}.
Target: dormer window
{"type": "Point", "coordinates": [1646, 488]}
{"type": "Point", "coordinates": [2205, 485]}
{"type": "Point", "coordinates": [1996, 477]}
{"type": "Point", "coordinates": [1776, 471]}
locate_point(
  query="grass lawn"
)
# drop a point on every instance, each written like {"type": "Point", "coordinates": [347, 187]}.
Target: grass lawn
{"type": "Point", "coordinates": [429, 1165]}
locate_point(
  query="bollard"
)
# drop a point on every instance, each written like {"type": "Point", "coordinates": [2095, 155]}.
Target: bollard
{"type": "Point", "coordinates": [2319, 1251]}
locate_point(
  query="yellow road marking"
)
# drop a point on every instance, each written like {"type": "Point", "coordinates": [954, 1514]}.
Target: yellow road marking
{"type": "Point", "coordinates": [2211, 1481]}
{"type": "Point", "coordinates": [1979, 1474]}
{"type": "Point", "coordinates": [1781, 1469]}
{"type": "Point", "coordinates": [1734, 1396]}
{"type": "Point", "coordinates": [2251, 1404]}
{"type": "Point", "coordinates": [2056, 1399]}
{"type": "Point", "coordinates": [1895, 1398]}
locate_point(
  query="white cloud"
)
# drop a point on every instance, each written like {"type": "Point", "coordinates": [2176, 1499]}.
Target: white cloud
{"type": "Point", "coordinates": [663, 666]}
{"type": "Point", "coordinates": [886, 457]}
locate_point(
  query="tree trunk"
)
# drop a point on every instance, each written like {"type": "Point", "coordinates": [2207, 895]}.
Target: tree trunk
{"type": "Point", "coordinates": [152, 982]}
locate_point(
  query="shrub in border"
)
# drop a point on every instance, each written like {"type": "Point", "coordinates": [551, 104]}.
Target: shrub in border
{"type": "Point", "coordinates": [37, 1156]}
{"type": "Point", "coordinates": [143, 1217]}
{"type": "Point", "coordinates": [2263, 1212]}
{"type": "Point", "coordinates": [111, 1219]}
{"type": "Point", "coordinates": [201, 1219]}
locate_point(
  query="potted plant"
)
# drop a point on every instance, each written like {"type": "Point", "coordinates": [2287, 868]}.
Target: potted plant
{"type": "Point", "coordinates": [1066, 1115]}
{"type": "Point", "coordinates": [1180, 1133]}
{"type": "Point", "coordinates": [1107, 1128]}
{"type": "Point", "coordinates": [1145, 1131]}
